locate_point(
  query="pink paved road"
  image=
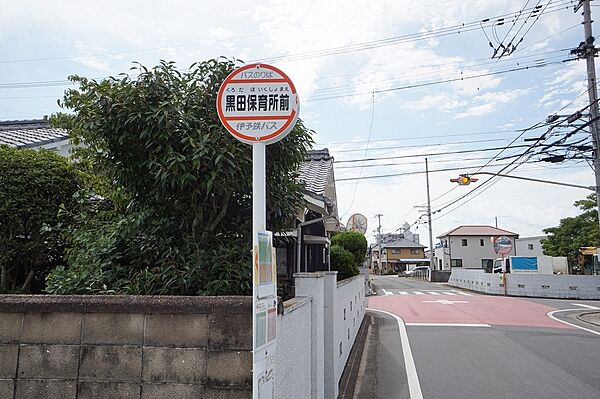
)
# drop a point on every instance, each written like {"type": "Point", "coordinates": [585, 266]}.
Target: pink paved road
{"type": "Point", "coordinates": [476, 309]}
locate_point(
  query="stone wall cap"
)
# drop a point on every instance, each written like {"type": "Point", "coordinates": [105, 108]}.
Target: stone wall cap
{"type": "Point", "coordinates": [295, 303]}
{"type": "Point", "coordinates": [309, 275]}
{"type": "Point", "coordinates": [349, 280]}
{"type": "Point", "coordinates": [148, 304]}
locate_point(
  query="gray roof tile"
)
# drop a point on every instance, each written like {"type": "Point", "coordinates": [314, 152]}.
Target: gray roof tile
{"type": "Point", "coordinates": [315, 170]}
{"type": "Point", "coordinates": [30, 133]}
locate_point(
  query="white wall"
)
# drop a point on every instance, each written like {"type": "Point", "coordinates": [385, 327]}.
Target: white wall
{"type": "Point", "coordinates": [474, 252]}
{"type": "Point", "coordinates": [523, 246]}
{"type": "Point", "coordinates": [349, 312]}
{"type": "Point", "coordinates": [293, 371]}
{"type": "Point", "coordinates": [316, 333]}
{"type": "Point", "coordinates": [531, 285]}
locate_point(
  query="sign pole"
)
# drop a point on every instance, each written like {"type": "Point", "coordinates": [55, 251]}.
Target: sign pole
{"type": "Point", "coordinates": [258, 104]}
{"type": "Point", "coordinates": [259, 221]}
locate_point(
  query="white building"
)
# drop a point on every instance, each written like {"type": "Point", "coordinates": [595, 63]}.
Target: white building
{"type": "Point", "coordinates": [530, 246]}
{"type": "Point", "coordinates": [35, 133]}
{"type": "Point", "coordinates": [470, 247]}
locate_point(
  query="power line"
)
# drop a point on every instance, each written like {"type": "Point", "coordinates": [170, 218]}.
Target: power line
{"type": "Point", "coordinates": [366, 151]}
{"type": "Point", "coordinates": [419, 36]}
{"type": "Point", "coordinates": [437, 82]}
{"type": "Point", "coordinates": [420, 145]}
{"type": "Point", "coordinates": [411, 173]}
{"type": "Point", "coordinates": [426, 154]}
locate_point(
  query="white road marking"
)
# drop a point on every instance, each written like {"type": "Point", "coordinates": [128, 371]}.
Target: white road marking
{"type": "Point", "coordinates": [402, 292]}
{"type": "Point", "coordinates": [551, 315]}
{"type": "Point", "coordinates": [418, 293]}
{"type": "Point", "coordinates": [414, 387]}
{"type": "Point", "coordinates": [445, 302]}
{"type": "Point", "coordinates": [464, 293]}
{"type": "Point", "coordinates": [433, 293]}
{"type": "Point", "coordinates": [386, 292]}
{"type": "Point", "coordinates": [586, 306]}
{"type": "Point", "coordinates": [446, 325]}
{"type": "Point", "coordinates": [449, 293]}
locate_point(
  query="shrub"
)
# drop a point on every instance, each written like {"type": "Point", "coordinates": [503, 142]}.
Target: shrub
{"type": "Point", "coordinates": [33, 186]}
{"type": "Point", "coordinates": [343, 262]}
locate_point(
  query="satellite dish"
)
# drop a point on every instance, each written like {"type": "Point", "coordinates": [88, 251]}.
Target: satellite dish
{"type": "Point", "coordinates": [357, 222]}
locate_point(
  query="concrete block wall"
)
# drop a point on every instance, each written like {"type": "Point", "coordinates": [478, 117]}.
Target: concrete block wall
{"type": "Point", "coordinates": [80, 347]}
{"type": "Point", "coordinates": [532, 285]}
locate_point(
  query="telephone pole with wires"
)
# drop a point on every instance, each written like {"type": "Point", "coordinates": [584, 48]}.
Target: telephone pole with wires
{"type": "Point", "coordinates": [588, 51]}
{"type": "Point", "coordinates": [378, 216]}
{"type": "Point", "coordinates": [429, 220]}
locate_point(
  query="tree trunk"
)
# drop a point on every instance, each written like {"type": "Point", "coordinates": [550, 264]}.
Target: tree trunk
{"type": "Point", "coordinates": [27, 283]}
{"type": "Point", "coordinates": [3, 278]}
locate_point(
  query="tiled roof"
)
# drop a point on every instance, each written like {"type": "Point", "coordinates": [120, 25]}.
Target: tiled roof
{"type": "Point", "coordinates": [315, 170]}
{"type": "Point", "coordinates": [401, 243]}
{"type": "Point", "coordinates": [478, 230]}
{"type": "Point", "coordinates": [30, 133]}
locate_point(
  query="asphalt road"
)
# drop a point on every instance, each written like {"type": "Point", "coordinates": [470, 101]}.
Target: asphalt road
{"type": "Point", "coordinates": [429, 340]}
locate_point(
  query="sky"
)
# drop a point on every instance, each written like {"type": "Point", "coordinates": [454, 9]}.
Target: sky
{"type": "Point", "coordinates": [382, 84]}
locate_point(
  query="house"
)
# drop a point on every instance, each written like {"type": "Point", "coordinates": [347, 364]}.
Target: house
{"type": "Point", "coordinates": [34, 133]}
{"type": "Point", "coordinates": [470, 247]}
{"type": "Point", "coordinates": [397, 252]}
{"type": "Point", "coordinates": [306, 248]}
{"type": "Point", "coordinates": [530, 246]}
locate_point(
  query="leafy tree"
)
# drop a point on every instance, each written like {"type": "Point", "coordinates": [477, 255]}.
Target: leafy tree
{"type": "Point", "coordinates": [33, 185]}
{"type": "Point", "coordinates": [343, 261]}
{"type": "Point", "coordinates": [173, 187]}
{"type": "Point", "coordinates": [574, 232]}
{"type": "Point", "coordinates": [354, 242]}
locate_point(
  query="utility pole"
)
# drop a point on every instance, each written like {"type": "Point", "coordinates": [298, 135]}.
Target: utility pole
{"type": "Point", "coordinates": [431, 265]}
{"type": "Point", "coordinates": [588, 50]}
{"type": "Point", "coordinates": [378, 216]}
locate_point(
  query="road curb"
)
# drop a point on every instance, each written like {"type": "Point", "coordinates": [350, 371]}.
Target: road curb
{"type": "Point", "coordinates": [580, 318]}
{"type": "Point", "coordinates": [349, 378]}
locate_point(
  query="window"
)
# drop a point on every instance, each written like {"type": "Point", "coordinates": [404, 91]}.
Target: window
{"type": "Point", "coordinates": [481, 242]}
{"type": "Point", "coordinates": [487, 264]}
{"type": "Point", "coordinates": [530, 247]}
{"type": "Point", "coordinates": [395, 252]}
{"type": "Point", "coordinates": [456, 262]}
{"type": "Point", "coordinates": [414, 251]}
{"type": "Point", "coordinates": [464, 242]}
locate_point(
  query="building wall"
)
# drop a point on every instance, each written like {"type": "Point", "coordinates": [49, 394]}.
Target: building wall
{"type": "Point", "coordinates": [474, 252]}
{"type": "Point", "coordinates": [530, 246]}
{"type": "Point", "coordinates": [125, 346]}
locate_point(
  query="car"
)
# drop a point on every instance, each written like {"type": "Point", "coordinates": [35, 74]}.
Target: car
{"type": "Point", "coordinates": [416, 269]}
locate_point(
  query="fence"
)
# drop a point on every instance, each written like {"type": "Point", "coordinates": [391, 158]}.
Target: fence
{"type": "Point", "coordinates": [132, 347]}
{"type": "Point", "coordinates": [531, 285]}
{"type": "Point", "coordinates": [125, 346]}
{"type": "Point", "coordinates": [336, 311]}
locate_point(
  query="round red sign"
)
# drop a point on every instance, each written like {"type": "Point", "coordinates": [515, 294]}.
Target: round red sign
{"type": "Point", "coordinates": [258, 103]}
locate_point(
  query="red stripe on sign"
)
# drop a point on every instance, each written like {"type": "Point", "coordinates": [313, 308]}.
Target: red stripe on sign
{"type": "Point", "coordinates": [279, 80]}
{"type": "Point", "coordinates": [255, 118]}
